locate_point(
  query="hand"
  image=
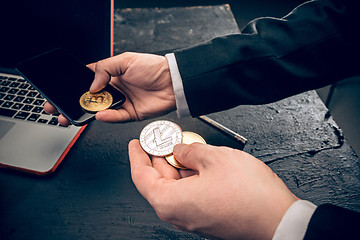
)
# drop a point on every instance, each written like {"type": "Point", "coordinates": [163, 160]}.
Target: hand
{"type": "Point", "coordinates": [144, 79]}
{"type": "Point", "coordinates": [232, 195]}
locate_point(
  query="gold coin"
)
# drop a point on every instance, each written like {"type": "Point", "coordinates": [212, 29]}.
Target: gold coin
{"type": "Point", "coordinates": [94, 102]}
{"type": "Point", "coordinates": [188, 138]}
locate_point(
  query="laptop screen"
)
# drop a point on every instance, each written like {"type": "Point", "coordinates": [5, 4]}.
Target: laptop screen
{"type": "Point", "coordinates": [32, 27]}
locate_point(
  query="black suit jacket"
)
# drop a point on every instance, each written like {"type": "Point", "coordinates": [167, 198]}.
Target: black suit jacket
{"type": "Point", "coordinates": [316, 44]}
{"type": "Point", "coordinates": [273, 58]}
{"type": "Point", "coordinates": [332, 222]}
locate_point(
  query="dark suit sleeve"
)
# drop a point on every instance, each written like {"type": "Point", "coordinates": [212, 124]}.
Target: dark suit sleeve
{"type": "Point", "coordinates": [332, 222]}
{"type": "Point", "coordinates": [273, 58]}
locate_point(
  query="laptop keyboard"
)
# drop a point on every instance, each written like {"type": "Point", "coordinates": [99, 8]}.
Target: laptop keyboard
{"type": "Point", "coordinates": [18, 99]}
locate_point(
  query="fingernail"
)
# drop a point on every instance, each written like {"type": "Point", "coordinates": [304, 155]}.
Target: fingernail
{"type": "Point", "coordinates": [92, 88]}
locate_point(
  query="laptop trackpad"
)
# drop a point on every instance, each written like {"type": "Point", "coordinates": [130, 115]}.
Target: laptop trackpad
{"type": "Point", "coordinates": [5, 126]}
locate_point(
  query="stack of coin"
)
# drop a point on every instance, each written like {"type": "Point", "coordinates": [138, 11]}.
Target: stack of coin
{"type": "Point", "coordinates": [94, 102]}
{"type": "Point", "coordinates": [188, 138]}
{"type": "Point", "coordinates": [159, 138]}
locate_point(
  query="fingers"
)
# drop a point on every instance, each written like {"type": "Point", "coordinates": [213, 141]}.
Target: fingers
{"type": "Point", "coordinates": [164, 168]}
{"type": "Point", "coordinates": [140, 162]}
{"type": "Point", "coordinates": [63, 120]}
{"type": "Point", "coordinates": [148, 175]}
{"type": "Point", "coordinates": [142, 172]}
{"type": "Point", "coordinates": [102, 78]}
{"type": "Point", "coordinates": [111, 115]}
{"type": "Point", "coordinates": [192, 156]}
{"type": "Point", "coordinates": [184, 173]}
{"type": "Point", "coordinates": [105, 69]}
{"type": "Point", "coordinates": [138, 157]}
{"type": "Point", "coordinates": [49, 108]}
{"type": "Point", "coordinates": [92, 66]}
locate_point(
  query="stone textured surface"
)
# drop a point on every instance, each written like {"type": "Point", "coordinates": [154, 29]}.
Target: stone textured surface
{"type": "Point", "coordinates": [162, 29]}
{"type": "Point", "coordinates": [302, 144]}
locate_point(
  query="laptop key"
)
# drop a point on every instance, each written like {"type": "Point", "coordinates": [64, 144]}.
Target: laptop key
{"type": "Point", "coordinates": [17, 106]}
{"type": "Point", "coordinates": [7, 112]}
{"type": "Point", "coordinates": [28, 100]}
{"type": "Point", "coordinates": [7, 104]}
{"type": "Point", "coordinates": [13, 91]}
{"type": "Point", "coordinates": [37, 109]}
{"type": "Point", "coordinates": [22, 92]}
{"type": "Point", "coordinates": [14, 84]}
{"type": "Point", "coordinates": [27, 108]}
{"type": "Point", "coordinates": [9, 97]}
{"type": "Point", "coordinates": [32, 94]}
{"type": "Point", "coordinates": [38, 102]}
{"type": "Point", "coordinates": [4, 89]}
{"type": "Point", "coordinates": [39, 96]}
{"type": "Point", "coordinates": [5, 83]}
{"type": "Point", "coordinates": [24, 86]}
{"type": "Point", "coordinates": [53, 121]}
{"type": "Point", "coordinates": [33, 117]}
{"type": "Point", "coordinates": [41, 120]}
{"type": "Point", "coordinates": [19, 99]}
{"type": "Point", "coordinates": [21, 115]}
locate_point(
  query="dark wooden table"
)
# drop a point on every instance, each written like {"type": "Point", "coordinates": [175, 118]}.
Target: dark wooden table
{"type": "Point", "coordinates": [91, 195]}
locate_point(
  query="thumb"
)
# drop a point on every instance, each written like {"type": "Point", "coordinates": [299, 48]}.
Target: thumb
{"type": "Point", "coordinates": [105, 69]}
{"type": "Point", "coordinates": [101, 79]}
{"type": "Point", "coordinates": [192, 156]}
{"type": "Point", "coordinates": [91, 66]}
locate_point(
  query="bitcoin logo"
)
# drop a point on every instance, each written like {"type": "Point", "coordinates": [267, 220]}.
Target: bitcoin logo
{"type": "Point", "coordinates": [94, 102]}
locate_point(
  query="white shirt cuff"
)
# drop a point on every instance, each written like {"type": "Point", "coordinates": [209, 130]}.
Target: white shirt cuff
{"type": "Point", "coordinates": [182, 108]}
{"type": "Point", "coordinates": [294, 223]}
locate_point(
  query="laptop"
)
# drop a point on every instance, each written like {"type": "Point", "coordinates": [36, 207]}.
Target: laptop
{"type": "Point", "coordinates": [31, 140]}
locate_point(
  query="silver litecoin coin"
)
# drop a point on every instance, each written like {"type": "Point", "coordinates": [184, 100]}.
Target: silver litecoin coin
{"type": "Point", "coordinates": [159, 137]}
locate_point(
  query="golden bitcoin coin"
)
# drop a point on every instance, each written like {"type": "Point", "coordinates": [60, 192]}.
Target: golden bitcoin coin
{"type": "Point", "coordinates": [94, 102]}
{"type": "Point", "coordinates": [187, 138]}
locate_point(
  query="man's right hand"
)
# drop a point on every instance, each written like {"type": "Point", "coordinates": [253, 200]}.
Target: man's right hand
{"type": "Point", "coordinates": [228, 194]}
{"type": "Point", "coordinates": [143, 78]}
